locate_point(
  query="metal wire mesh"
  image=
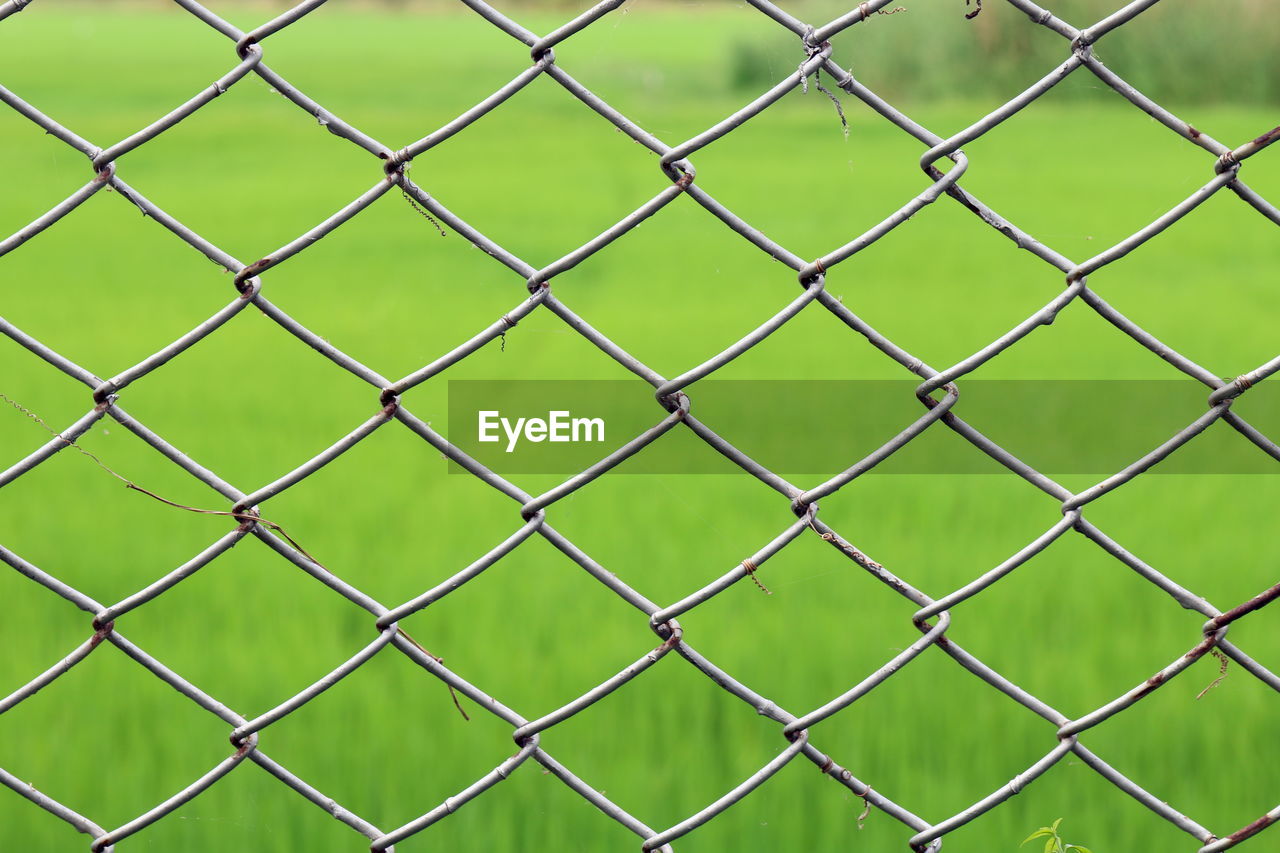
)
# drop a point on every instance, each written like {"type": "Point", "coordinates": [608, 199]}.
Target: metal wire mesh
{"type": "Point", "coordinates": [942, 162]}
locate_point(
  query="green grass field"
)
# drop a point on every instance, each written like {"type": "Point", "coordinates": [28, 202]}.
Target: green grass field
{"type": "Point", "coordinates": [541, 175]}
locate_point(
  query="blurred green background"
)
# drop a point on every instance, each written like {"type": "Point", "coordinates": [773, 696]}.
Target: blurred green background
{"type": "Point", "coordinates": [1080, 169]}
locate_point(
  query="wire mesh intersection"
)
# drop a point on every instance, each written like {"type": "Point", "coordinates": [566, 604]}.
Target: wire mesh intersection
{"type": "Point", "coordinates": [943, 163]}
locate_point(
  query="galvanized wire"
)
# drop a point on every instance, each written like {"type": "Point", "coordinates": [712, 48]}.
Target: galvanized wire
{"type": "Point", "coordinates": [943, 163]}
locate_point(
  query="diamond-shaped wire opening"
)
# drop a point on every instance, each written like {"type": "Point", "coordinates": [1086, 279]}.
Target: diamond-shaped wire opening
{"type": "Point", "coordinates": [351, 743]}
{"type": "Point", "coordinates": [904, 287]}
{"type": "Point", "coordinates": [794, 173]}
{"type": "Point", "coordinates": [500, 629]}
{"type": "Point", "coordinates": [1036, 187]}
{"type": "Point", "coordinates": [149, 763]}
{"type": "Point", "coordinates": [919, 767]}
{"type": "Point", "coordinates": [1211, 272]}
{"type": "Point", "coordinates": [209, 171]}
{"type": "Point", "coordinates": [118, 272]}
{"type": "Point", "coordinates": [1098, 813]}
{"type": "Point", "coordinates": [43, 172]}
{"type": "Point", "coordinates": [495, 173]}
{"type": "Point", "coordinates": [37, 389]}
{"type": "Point", "coordinates": [984, 519]}
{"type": "Point", "coordinates": [811, 589]}
{"type": "Point", "coordinates": [1042, 602]}
{"type": "Point", "coordinates": [202, 402]}
{"type": "Point", "coordinates": [619, 746]}
{"type": "Point", "coordinates": [51, 57]}
{"type": "Point", "coordinates": [268, 616]}
{"type": "Point", "coordinates": [410, 555]}
{"type": "Point", "coordinates": [69, 500]}
{"type": "Point", "coordinates": [396, 267]}
{"type": "Point", "coordinates": [325, 54]}
{"type": "Point", "coordinates": [45, 627]}
{"type": "Point", "coordinates": [1173, 736]}
{"type": "Point", "coordinates": [1231, 566]}
{"type": "Point", "coordinates": [247, 808]}
{"type": "Point", "coordinates": [679, 86]}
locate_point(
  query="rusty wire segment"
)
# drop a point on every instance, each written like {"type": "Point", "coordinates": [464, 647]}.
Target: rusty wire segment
{"type": "Point", "coordinates": [943, 164]}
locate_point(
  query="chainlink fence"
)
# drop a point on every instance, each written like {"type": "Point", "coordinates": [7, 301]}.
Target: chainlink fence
{"type": "Point", "coordinates": [943, 163]}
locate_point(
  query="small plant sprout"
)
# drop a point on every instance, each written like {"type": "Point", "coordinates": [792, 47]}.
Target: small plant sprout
{"type": "Point", "coordinates": [1053, 842]}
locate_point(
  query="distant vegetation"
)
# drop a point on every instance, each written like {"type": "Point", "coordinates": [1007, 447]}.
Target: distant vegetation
{"type": "Point", "coordinates": [1225, 49]}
